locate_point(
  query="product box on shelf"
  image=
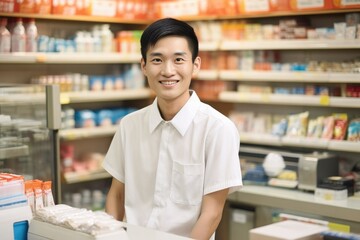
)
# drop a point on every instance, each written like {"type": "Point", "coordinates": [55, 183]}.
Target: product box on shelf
{"type": "Point", "coordinates": [103, 8]}
{"type": "Point", "coordinates": [71, 8]}
{"type": "Point", "coordinates": [14, 222]}
{"type": "Point", "coordinates": [7, 6]}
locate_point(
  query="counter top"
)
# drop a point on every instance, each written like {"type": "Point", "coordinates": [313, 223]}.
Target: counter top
{"type": "Point", "coordinates": [39, 230]}
{"type": "Point", "coordinates": [298, 201]}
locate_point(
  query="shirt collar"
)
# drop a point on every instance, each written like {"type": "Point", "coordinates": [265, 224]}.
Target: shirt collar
{"type": "Point", "coordinates": [182, 119]}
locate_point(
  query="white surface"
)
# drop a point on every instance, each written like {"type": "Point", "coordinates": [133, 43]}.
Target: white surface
{"type": "Point", "coordinates": [290, 230]}
{"type": "Point", "coordinates": [41, 230]}
{"type": "Point", "coordinates": [10, 216]}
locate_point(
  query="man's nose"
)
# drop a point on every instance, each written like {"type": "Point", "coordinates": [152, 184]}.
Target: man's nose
{"type": "Point", "coordinates": [168, 68]}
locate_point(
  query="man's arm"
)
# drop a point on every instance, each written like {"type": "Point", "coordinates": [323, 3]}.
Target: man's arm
{"type": "Point", "coordinates": [210, 216]}
{"type": "Point", "coordinates": [115, 200]}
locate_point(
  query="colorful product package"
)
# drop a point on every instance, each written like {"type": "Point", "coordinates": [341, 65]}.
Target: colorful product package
{"type": "Point", "coordinates": [340, 126]}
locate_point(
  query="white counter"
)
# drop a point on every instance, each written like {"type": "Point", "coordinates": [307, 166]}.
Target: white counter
{"type": "Point", "coordinates": [298, 201]}
{"type": "Point", "coordinates": [44, 231]}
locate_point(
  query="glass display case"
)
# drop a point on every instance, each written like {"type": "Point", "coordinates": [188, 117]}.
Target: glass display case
{"type": "Point", "coordinates": [29, 124]}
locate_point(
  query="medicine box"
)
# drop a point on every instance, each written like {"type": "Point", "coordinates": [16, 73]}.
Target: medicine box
{"type": "Point", "coordinates": [14, 223]}
{"type": "Point", "coordinates": [288, 230]}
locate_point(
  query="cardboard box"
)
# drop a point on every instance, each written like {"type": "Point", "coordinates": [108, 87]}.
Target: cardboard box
{"type": "Point", "coordinates": [15, 222]}
{"type": "Point", "coordinates": [288, 230]}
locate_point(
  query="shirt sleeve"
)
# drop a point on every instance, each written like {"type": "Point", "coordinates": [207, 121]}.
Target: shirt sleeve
{"type": "Point", "coordinates": [222, 168]}
{"type": "Point", "coordinates": [114, 158]}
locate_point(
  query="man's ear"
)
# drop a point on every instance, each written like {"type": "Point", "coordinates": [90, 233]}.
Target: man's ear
{"type": "Point", "coordinates": [196, 66]}
{"type": "Point", "coordinates": [143, 66]}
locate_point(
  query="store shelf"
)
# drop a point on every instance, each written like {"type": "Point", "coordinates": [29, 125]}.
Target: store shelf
{"type": "Point", "coordinates": [14, 152]}
{"type": "Point", "coordinates": [22, 98]}
{"type": "Point", "coordinates": [288, 99]}
{"type": "Point", "coordinates": [77, 18]}
{"type": "Point", "coordinates": [209, 46]}
{"type": "Point", "coordinates": [298, 201]}
{"type": "Point", "coordinates": [69, 58]}
{"type": "Point", "coordinates": [301, 142]}
{"type": "Point", "coordinates": [271, 76]}
{"type": "Point", "coordinates": [83, 133]}
{"type": "Point", "coordinates": [289, 44]}
{"type": "Point", "coordinates": [77, 177]}
{"type": "Point", "coordinates": [96, 96]}
{"type": "Point", "coordinates": [258, 138]}
{"type": "Point", "coordinates": [208, 75]}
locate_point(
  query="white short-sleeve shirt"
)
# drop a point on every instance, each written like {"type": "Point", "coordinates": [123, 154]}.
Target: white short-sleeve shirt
{"type": "Point", "coordinates": [168, 166]}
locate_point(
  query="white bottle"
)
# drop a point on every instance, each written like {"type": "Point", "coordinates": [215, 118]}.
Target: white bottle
{"type": "Point", "coordinates": [138, 76]}
{"type": "Point", "coordinates": [18, 37]}
{"type": "Point", "coordinates": [31, 36]}
{"type": "Point", "coordinates": [106, 38]}
{"type": "Point", "coordinates": [5, 37]}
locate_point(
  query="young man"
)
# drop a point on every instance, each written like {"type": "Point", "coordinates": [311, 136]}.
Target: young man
{"type": "Point", "coordinates": [174, 162]}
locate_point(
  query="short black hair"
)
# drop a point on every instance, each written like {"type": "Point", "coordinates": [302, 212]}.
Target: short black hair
{"type": "Point", "coordinates": [169, 27]}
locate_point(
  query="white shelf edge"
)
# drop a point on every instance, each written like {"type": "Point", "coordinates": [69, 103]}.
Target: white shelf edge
{"type": "Point", "coordinates": [207, 75]}
{"type": "Point", "coordinates": [81, 133]}
{"type": "Point", "coordinates": [13, 152]}
{"type": "Point", "coordinates": [67, 58]}
{"type": "Point", "coordinates": [96, 96]}
{"type": "Point", "coordinates": [289, 44]}
{"type": "Point", "coordinates": [288, 99]}
{"type": "Point", "coordinates": [209, 46]}
{"type": "Point", "coordinates": [272, 76]}
{"type": "Point", "coordinates": [76, 177]}
{"type": "Point", "coordinates": [316, 143]}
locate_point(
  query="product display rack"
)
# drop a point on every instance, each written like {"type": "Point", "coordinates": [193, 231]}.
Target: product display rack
{"type": "Point", "coordinates": [40, 63]}
{"type": "Point", "coordinates": [325, 104]}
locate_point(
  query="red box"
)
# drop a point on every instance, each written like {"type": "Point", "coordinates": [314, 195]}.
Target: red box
{"type": "Point", "coordinates": [43, 6]}
{"type": "Point", "coordinates": [64, 7]}
{"type": "Point", "coordinates": [103, 8]}
{"type": "Point", "coordinates": [7, 6]}
{"type": "Point", "coordinates": [25, 6]}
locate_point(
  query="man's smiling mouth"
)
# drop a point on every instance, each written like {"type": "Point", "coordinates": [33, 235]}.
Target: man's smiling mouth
{"type": "Point", "coordinates": [168, 83]}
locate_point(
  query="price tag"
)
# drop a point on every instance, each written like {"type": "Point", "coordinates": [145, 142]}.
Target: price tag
{"type": "Point", "coordinates": [41, 58]}
{"type": "Point", "coordinates": [256, 6]}
{"type": "Point", "coordinates": [350, 2]}
{"type": "Point", "coordinates": [324, 100]}
{"type": "Point", "coordinates": [64, 99]}
{"type": "Point", "coordinates": [265, 97]}
{"type": "Point", "coordinates": [305, 4]}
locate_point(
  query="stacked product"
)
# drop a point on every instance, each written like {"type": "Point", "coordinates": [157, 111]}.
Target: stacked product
{"type": "Point", "coordinates": [65, 222]}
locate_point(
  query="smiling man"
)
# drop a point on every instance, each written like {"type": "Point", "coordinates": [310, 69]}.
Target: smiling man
{"type": "Point", "coordinates": [174, 162]}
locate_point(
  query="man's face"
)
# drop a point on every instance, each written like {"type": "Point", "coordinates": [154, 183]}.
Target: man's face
{"type": "Point", "coordinates": [169, 68]}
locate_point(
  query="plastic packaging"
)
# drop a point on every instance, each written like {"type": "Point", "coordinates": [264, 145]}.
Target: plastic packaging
{"type": "Point", "coordinates": [5, 37]}
{"type": "Point", "coordinates": [18, 37]}
{"type": "Point", "coordinates": [31, 36]}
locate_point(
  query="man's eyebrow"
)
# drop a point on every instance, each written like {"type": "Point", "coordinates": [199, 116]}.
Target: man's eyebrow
{"type": "Point", "coordinates": [180, 53]}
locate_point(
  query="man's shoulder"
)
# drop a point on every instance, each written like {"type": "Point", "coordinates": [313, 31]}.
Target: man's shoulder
{"type": "Point", "coordinates": [137, 115]}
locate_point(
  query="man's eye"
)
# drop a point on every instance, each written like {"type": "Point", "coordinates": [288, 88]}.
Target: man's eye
{"type": "Point", "coordinates": [156, 60]}
{"type": "Point", "coordinates": [179, 60]}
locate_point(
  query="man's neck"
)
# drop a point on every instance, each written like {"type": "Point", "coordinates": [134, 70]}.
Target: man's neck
{"type": "Point", "coordinates": [168, 109]}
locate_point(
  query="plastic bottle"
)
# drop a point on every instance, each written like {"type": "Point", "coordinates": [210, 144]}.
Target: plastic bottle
{"type": "Point", "coordinates": [106, 38]}
{"type": "Point", "coordinates": [5, 37]}
{"type": "Point", "coordinates": [31, 36]}
{"type": "Point", "coordinates": [18, 37]}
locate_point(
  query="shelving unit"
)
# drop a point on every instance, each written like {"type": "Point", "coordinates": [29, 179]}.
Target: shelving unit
{"type": "Point", "coordinates": [69, 58]}
{"type": "Point", "coordinates": [39, 63]}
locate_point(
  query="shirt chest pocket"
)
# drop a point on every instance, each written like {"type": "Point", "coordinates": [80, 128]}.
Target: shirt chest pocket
{"type": "Point", "coordinates": [187, 183]}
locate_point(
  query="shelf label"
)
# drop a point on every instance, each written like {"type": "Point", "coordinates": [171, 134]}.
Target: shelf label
{"type": "Point", "coordinates": [339, 227]}
{"type": "Point", "coordinates": [324, 100]}
{"type": "Point", "coordinates": [350, 2]}
{"type": "Point", "coordinates": [64, 99]}
{"type": "Point", "coordinates": [305, 4]}
{"type": "Point", "coordinates": [256, 6]}
{"type": "Point", "coordinates": [41, 58]}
